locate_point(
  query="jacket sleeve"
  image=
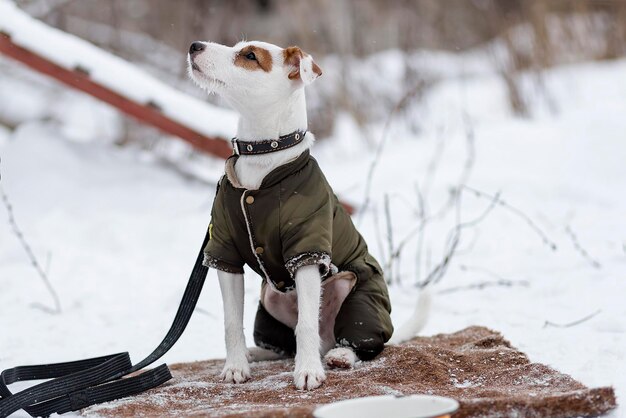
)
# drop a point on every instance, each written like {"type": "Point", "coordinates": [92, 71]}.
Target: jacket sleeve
{"type": "Point", "coordinates": [220, 253]}
{"type": "Point", "coordinates": [306, 233]}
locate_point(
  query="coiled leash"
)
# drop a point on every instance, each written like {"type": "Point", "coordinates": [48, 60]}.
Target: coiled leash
{"type": "Point", "coordinates": [79, 384]}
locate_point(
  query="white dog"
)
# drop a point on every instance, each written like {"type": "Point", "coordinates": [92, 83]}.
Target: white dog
{"type": "Point", "coordinates": [265, 84]}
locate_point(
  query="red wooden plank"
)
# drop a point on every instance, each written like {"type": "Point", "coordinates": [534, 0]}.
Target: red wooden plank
{"type": "Point", "coordinates": [145, 113]}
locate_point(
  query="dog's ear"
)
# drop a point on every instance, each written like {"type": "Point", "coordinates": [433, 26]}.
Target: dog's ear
{"type": "Point", "coordinates": [301, 65]}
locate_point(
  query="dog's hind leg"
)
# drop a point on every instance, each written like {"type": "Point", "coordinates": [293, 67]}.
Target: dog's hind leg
{"type": "Point", "coordinates": [274, 340]}
{"type": "Point", "coordinates": [263, 354]}
{"type": "Point", "coordinates": [340, 358]}
{"type": "Point", "coordinates": [363, 324]}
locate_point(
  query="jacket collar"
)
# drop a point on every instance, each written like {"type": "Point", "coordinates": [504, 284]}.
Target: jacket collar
{"type": "Point", "coordinates": [273, 177]}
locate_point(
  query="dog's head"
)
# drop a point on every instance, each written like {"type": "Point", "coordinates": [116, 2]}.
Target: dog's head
{"type": "Point", "coordinates": [255, 71]}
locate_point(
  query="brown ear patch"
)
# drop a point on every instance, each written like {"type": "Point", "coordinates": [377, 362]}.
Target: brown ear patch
{"type": "Point", "coordinates": [262, 61]}
{"type": "Point", "coordinates": [292, 56]}
{"type": "Point", "coordinates": [316, 69]}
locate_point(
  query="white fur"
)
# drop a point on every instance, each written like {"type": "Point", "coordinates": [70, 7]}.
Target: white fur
{"type": "Point", "coordinates": [270, 105]}
{"type": "Point", "coordinates": [341, 357]}
{"type": "Point", "coordinates": [236, 368]}
{"type": "Point", "coordinates": [309, 372]}
{"type": "Point", "coordinates": [284, 306]}
{"type": "Point", "coordinates": [306, 70]}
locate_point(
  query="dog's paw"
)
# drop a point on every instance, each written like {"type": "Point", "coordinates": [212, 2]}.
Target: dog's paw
{"type": "Point", "coordinates": [340, 358]}
{"type": "Point", "coordinates": [235, 371]}
{"type": "Point", "coordinates": [309, 376]}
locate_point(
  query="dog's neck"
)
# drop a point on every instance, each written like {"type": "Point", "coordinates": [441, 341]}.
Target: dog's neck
{"type": "Point", "coordinates": [269, 122]}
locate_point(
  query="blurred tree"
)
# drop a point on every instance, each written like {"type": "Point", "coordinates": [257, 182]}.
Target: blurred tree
{"type": "Point", "coordinates": [533, 34]}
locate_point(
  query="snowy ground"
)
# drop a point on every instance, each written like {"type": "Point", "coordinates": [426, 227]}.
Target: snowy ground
{"type": "Point", "coordinates": [121, 232]}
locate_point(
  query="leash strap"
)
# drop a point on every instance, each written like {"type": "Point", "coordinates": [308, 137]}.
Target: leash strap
{"type": "Point", "coordinates": [79, 384]}
{"type": "Point", "coordinates": [267, 145]}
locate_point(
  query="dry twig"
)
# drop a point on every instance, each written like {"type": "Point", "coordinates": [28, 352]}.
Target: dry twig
{"type": "Point", "coordinates": [379, 234]}
{"type": "Point", "coordinates": [483, 285]}
{"type": "Point", "coordinates": [466, 268]}
{"type": "Point", "coordinates": [381, 145]}
{"type": "Point", "coordinates": [454, 192]}
{"type": "Point", "coordinates": [421, 213]}
{"type": "Point", "coordinates": [390, 246]}
{"type": "Point", "coordinates": [433, 164]}
{"type": "Point", "coordinates": [574, 323]}
{"type": "Point", "coordinates": [544, 237]}
{"type": "Point", "coordinates": [584, 253]}
{"type": "Point", "coordinates": [454, 238]}
{"type": "Point", "coordinates": [500, 281]}
{"type": "Point", "coordinates": [30, 254]}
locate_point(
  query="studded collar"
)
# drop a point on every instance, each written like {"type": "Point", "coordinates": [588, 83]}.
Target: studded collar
{"type": "Point", "coordinates": [267, 145]}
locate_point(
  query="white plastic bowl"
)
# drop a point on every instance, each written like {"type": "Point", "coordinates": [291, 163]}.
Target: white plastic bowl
{"type": "Point", "coordinates": [389, 406]}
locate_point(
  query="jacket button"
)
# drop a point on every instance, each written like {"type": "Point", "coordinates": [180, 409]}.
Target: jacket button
{"type": "Point", "coordinates": [280, 285]}
{"type": "Point", "coordinates": [250, 200]}
{"type": "Point", "coordinates": [259, 250]}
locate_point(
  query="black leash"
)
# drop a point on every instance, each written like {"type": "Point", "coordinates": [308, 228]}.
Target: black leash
{"type": "Point", "coordinates": [79, 384]}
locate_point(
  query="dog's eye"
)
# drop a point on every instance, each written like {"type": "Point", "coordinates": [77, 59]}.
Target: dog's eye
{"type": "Point", "coordinates": [251, 56]}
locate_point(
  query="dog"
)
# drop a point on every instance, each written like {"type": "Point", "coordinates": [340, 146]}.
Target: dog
{"type": "Point", "coordinates": [323, 294]}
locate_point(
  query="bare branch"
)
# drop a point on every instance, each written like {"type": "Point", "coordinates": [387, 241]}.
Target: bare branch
{"type": "Point", "coordinates": [483, 270]}
{"type": "Point", "coordinates": [594, 263]}
{"type": "Point", "coordinates": [470, 144]}
{"type": "Point", "coordinates": [454, 193]}
{"type": "Point", "coordinates": [421, 208]}
{"type": "Point", "coordinates": [186, 174]}
{"type": "Point", "coordinates": [381, 145]}
{"type": "Point", "coordinates": [483, 285]}
{"type": "Point", "coordinates": [420, 226]}
{"type": "Point", "coordinates": [379, 235]}
{"type": "Point", "coordinates": [571, 324]}
{"type": "Point", "coordinates": [421, 213]}
{"type": "Point", "coordinates": [390, 246]}
{"type": "Point", "coordinates": [547, 241]}
{"type": "Point", "coordinates": [433, 164]}
{"type": "Point", "coordinates": [29, 253]}
{"type": "Point", "coordinates": [453, 240]}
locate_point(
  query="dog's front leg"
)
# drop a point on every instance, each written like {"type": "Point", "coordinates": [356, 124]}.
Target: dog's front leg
{"type": "Point", "coordinates": [309, 372]}
{"type": "Point", "coordinates": [236, 369]}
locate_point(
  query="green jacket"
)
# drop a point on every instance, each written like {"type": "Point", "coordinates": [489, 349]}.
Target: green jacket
{"type": "Point", "coordinates": [294, 219]}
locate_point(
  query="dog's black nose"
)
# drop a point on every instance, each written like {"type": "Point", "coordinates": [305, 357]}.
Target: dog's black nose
{"type": "Point", "coordinates": [196, 47]}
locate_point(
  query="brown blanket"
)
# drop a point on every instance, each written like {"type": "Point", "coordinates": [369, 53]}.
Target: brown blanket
{"type": "Point", "coordinates": [476, 366]}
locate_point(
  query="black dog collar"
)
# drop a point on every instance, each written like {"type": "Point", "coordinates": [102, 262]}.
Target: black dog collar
{"type": "Point", "coordinates": [267, 145]}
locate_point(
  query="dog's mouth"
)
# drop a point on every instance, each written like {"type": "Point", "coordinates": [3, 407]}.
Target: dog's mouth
{"type": "Point", "coordinates": [198, 75]}
{"type": "Point", "coordinates": [215, 81]}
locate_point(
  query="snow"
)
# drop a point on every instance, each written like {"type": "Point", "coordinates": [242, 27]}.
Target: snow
{"type": "Point", "coordinates": [120, 76]}
{"type": "Point", "coordinates": [119, 233]}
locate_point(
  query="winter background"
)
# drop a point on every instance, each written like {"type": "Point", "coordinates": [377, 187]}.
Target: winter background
{"type": "Point", "coordinates": [491, 134]}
